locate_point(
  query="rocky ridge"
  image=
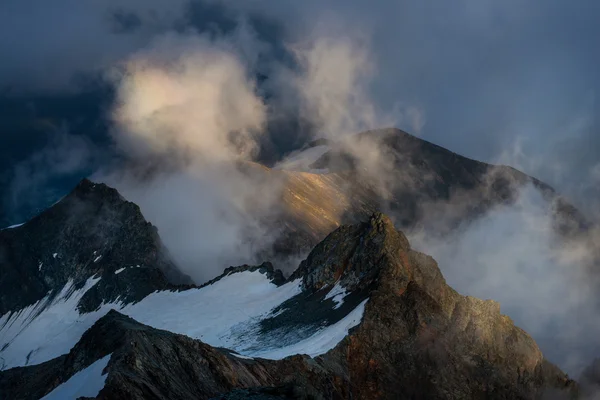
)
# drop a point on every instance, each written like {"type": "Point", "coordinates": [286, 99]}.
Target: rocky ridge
{"type": "Point", "coordinates": [418, 339]}
{"type": "Point", "coordinates": [92, 232]}
{"type": "Point", "coordinates": [419, 184]}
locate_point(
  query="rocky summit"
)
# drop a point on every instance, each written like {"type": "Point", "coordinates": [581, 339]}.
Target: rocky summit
{"type": "Point", "coordinates": [93, 231]}
{"type": "Point", "coordinates": [363, 317]}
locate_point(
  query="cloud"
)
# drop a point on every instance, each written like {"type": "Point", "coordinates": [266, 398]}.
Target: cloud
{"type": "Point", "coordinates": [188, 103]}
{"type": "Point", "coordinates": [485, 73]}
{"type": "Point", "coordinates": [332, 85]}
{"type": "Point", "coordinates": [48, 46]}
{"type": "Point", "coordinates": [514, 255]}
{"type": "Point", "coordinates": [185, 94]}
{"type": "Point", "coordinates": [209, 217]}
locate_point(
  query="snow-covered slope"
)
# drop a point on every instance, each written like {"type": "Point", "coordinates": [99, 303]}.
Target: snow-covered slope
{"type": "Point", "coordinates": [226, 313]}
{"type": "Point", "coordinates": [45, 329]}
{"type": "Point", "coordinates": [85, 383]}
{"type": "Point", "coordinates": [302, 160]}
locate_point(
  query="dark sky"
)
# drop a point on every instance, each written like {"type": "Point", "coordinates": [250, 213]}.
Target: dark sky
{"type": "Point", "coordinates": [512, 82]}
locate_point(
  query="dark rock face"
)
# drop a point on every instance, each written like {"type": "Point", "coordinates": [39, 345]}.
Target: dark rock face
{"type": "Point", "coordinates": [91, 232]}
{"type": "Point", "coordinates": [421, 172]}
{"type": "Point", "coordinates": [418, 339]}
{"type": "Point", "coordinates": [351, 254]}
{"type": "Point", "coordinates": [266, 393]}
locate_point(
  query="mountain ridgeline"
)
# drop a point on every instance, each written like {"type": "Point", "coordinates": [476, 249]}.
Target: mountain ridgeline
{"type": "Point", "coordinates": [92, 231]}
{"type": "Point", "coordinates": [419, 184]}
{"type": "Point", "coordinates": [92, 306]}
{"type": "Point", "coordinates": [415, 336]}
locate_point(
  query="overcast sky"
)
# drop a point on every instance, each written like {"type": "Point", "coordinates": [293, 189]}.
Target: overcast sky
{"type": "Point", "coordinates": [512, 81]}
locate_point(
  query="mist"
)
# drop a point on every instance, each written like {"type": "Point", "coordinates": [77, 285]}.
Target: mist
{"type": "Point", "coordinates": [515, 256]}
{"type": "Point", "coordinates": [188, 103]}
{"type": "Point", "coordinates": [481, 80]}
{"type": "Point", "coordinates": [189, 111]}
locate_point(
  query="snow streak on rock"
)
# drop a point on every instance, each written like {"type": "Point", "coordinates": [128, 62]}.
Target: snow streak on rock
{"type": "Point", "coordinates": [85, 383]}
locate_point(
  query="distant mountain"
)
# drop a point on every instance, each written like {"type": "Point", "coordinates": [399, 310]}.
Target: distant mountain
{"type": "Point", "coordinates": [374, 319]}
{"type": "Point", "coordinates": [420, 185]}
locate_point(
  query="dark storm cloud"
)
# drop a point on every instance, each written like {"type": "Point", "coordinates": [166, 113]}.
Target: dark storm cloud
{"type": "Point", "coordinates": [45, 45]}
{"type": "Point", "coordinates": [514, 82]}
{"type": "Point", "coordinates": [484, 74]}
{"type": "Point", "coordinates": [495, 81]}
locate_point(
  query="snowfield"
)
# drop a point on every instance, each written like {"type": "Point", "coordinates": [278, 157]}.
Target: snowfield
{"type": "Point", "coordinates": [46, 329]}
{"type": "Point", "coordinates": [86, 383]}
{"type": "Point", "coordinates": [226, 314]}
{"type": "Point", "coordinates": [319, 343]}
{"type": "Point", "coordinates": [211, 313]}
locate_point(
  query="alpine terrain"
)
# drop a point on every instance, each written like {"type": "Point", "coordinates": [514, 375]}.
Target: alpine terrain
{"type": "Point", "coordinates": [93, 306]}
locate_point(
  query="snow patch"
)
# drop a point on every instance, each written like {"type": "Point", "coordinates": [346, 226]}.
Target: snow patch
{"type": "Point", "coordinates": [44, 330]}
{"type": "Point", "coordinates": [241, 356]}
{"type": "Point", "coordinates": [86, 383]}
{"type": "Point", "coordinates": [40, 266]}
{"type": "Point", "coordinates": [97, 258]}
{"type": "Point", "coordinates": [337, 294]}
{"type": "Point", "coordinates": [57, 201]}
{"type": "Point", "coordinates": [301, 160]}
{"type": "Point", "coordinates": [13, 226]}
{"type": "Point", "coordinates": [54, 255]}
{"type": "Point", "coordinates": [119, 271]}
{"type": "Point", "coordinates": [319, 343]}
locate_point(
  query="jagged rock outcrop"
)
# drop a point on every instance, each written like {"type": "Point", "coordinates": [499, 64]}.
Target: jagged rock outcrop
{"type": "Point", "coordinates": [275, 275]}
{"type": "Point", "coordinates": [445, 345]}
{"type": "Point", "coordinates": [418, 339]}
{"type": "Point", "coordinates": [91, 232]}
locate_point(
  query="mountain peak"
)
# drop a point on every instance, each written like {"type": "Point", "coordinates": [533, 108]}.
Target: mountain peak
{"type": "Point", "coordinates": [377, 317]}
{"type": "Point", "coordinates": [352, 254]}
{"type": "Point", "coordinates": [100, 192]}
{"type": "Point", "coordinates": [93, 232]}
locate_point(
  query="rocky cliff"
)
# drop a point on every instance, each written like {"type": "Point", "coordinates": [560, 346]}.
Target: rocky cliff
{"type": "Point", "coordinates": [92, 232]}
{"type": "Point", "coordinates": [417, 339]}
